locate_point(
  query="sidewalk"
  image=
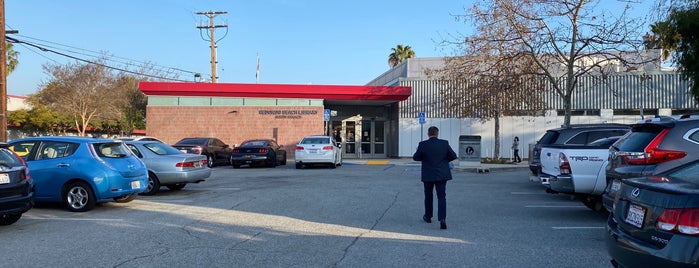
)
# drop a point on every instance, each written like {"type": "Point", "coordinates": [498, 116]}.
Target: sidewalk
{"type": "Point", "coordinates": [470, 167]}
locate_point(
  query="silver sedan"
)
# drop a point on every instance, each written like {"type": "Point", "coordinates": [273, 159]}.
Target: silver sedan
{"type": "Point", "coordinates": [168, 166]}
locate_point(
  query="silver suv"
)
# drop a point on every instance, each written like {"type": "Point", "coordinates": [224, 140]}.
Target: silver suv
{"type": "Point", "coordinates": [653, 146]}
{"type": "Point", "coordinates": [574, 135]}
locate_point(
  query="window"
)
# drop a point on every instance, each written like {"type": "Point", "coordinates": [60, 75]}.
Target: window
{"type": "Point", "coordinates": [52, 149]}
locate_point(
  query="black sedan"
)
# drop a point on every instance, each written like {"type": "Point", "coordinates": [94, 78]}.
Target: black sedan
{"type": "Point", "coordinates": [215, 150]}
{"type": "Point", "coordinates": [258, 152]}
{"type": "Point", "coordinates": [655, 220]}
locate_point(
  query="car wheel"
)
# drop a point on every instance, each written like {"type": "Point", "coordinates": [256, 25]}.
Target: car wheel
{"type": "Point", "coordinates": [236, 165]}
{"type": "Point", "coordinates": [153, 185]}
{"type": "Point", "coordinates": [209, 161]}
{"type": "Point", "coordinates": [176, 187]}
{"type": "Point", "coordinates": [7, 219]}
{"type": "Point", "coordinates": [298, 166]}
{"type": "Point", "coordinates": [125, 199]}
{"type": "Point", "coordinates": [273, 162]}
{"type": "Point", "coordinates": [78, 197]}
{"type": "Point", "coordinates": [593, 203]}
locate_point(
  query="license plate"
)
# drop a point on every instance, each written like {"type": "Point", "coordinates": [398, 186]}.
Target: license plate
{"type": "Point", "coordinates": [197, 164]}
{"type": "Point", "coordinates": [4, 178]}
{"type": "Point", "coordinates": [135, 185]}
{"type": "Point", "coordinates": [313, 151]}
{"type": "Point", "coordinates": [635, 215]}
{"type": "Point", "coordinates": [184, 151]}
{"type": "Point", "coordinates": [615, 186]}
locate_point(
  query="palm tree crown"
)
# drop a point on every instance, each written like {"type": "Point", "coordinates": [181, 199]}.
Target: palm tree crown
{"type": "Point", "coordinates": [400, 54]}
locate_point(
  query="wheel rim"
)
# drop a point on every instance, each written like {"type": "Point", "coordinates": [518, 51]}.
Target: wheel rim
{"type": "Point", "coordinates": [151, 185]}
{"type": "Point", "coordinates": [210, 161]}
{"type": "Point", "coordinates": [77, 197]}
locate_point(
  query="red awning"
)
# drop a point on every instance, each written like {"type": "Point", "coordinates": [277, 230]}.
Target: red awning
{"type": "Point", "coordinates": [326, 92]}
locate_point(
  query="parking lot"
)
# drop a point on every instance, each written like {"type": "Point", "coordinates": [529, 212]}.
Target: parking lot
{"type": "Point", "coordinates": [353, 216]}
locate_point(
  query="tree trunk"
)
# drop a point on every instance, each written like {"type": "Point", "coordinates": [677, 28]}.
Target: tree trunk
{"type": "Point", "coordinates": [496, 153]}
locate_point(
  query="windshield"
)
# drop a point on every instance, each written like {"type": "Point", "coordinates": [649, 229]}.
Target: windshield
{"type": "Point", "coordinates": [192, 141]}
{"type": "Point", "coordinates": [254, 144]}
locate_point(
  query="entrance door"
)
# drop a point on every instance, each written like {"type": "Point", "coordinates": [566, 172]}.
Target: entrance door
{"type": "Point", "coordinates": [373, 138]}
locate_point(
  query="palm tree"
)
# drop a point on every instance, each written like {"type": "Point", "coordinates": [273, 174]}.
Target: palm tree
{"type": "Point", "coordinates": [400, 54]}
{"type": "Point", "coordinates": [11, 58]}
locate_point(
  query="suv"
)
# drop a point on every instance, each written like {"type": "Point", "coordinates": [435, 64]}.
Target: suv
{"type": "Point", "coordinates": [215, 150]}
{"type": "Point", "coordinates": [16, 186]}
{"type": "Point", "coordinates": [573, 135]}
{"type": "Point", "coordinates": [653, 146]}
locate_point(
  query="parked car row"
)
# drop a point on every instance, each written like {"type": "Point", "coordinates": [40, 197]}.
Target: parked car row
{"type": "Point", "coordinates": [311, 151]}
{"type": "Point", "coordinates": [652, 191]}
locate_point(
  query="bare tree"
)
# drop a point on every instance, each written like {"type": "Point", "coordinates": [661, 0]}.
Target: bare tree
{"type": "Point", "coordinates": [490, 80]}
{"type": "Point", "coordinates": [561, 39]}
{"type": "Point", "coordinates": [84, 92]}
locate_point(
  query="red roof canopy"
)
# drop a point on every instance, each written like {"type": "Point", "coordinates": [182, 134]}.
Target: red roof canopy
{"type": "Point", "coordinates": [326, 92]}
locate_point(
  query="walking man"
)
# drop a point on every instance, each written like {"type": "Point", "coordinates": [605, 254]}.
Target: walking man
{"type": "Point", "coordinates": [435, 155]}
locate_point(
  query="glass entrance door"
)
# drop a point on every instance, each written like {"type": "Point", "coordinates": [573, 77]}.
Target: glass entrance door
{"type": "Point", "coordinates": [373, 137]}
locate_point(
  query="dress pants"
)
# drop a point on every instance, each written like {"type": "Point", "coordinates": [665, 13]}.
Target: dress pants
{"type": "Point", "coordinates": [440, 186]}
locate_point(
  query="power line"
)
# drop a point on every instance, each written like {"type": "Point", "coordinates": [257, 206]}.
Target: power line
{"type": "Point", "coordinates": [54, 49]}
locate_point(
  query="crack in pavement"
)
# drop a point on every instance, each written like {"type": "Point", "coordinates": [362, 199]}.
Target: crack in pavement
{"type": "Point", "coordinates": [356, 238]}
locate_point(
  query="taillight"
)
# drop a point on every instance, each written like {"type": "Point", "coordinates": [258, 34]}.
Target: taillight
{"type": "Point", "coordinates": [21, 160]}
{"type": "Point", "coordinates": [184, 165]}
{"type": "Point", "coordinates": [683, 221]}
{"type": "Point", "coordinates": [263, 150]}
{"type": "Point", "coordinates": [652, 155]}
{"type": "Point", "coordinates": [327, 148]}
{"type": "Point", "coordinates": [563, 164]}
{"type": "Point", "coordinates": [236, 151]}
{"type": "Point", "coordinates": [197, 149]}
{"type": "Point", "coordinates": [299, 148]}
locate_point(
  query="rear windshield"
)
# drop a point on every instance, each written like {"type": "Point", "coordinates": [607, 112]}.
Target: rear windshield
{"type": "Point", "coordinates": [319, 140]}
{"type": "Point", "coordinates": [688, 173]}
{"type": "Point", "coordinates": [192, 141]}
{"type": "Point", "coordinates": [549, 137]}
{"type": "Point", "coordinates": [111, 149]}
{"type": "Point", "coordinates": [254, 144]}
{"type": "Point", "coordinates": [8, 159]}
{"type": "Point", "coordinates": [636, 141]}
{"type": "Point", "coordinates": [605, 142]}
{"type": "Point", "coordinates": [160, 148]}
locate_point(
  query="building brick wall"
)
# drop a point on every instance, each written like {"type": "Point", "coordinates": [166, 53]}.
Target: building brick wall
{"type": "Point", "coordinates": [235, 124]}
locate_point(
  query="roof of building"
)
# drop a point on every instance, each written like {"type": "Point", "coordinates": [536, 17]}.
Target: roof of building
{"type": "Point", "coordinates": [326, 92]}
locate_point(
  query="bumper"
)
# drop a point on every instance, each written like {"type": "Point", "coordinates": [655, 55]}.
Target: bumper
{"type": "Point", "coordinates": [16, 204]}
{"type": "Point", "coordinates": [609, 194]}
{"type": "Point", "coordinates": [189, 176]}
{"type": "Point", "coordinates": [681, 251]}
{"type": "Point", "coordinates": [562, 184]}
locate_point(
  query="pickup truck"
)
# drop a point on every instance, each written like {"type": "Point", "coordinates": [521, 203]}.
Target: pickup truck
{"type": "Point", "coordinates": [577, 170]}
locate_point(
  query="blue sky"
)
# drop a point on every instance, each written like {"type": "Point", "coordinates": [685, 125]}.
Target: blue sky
{"type": "Point", "coordinates": [298, 41]}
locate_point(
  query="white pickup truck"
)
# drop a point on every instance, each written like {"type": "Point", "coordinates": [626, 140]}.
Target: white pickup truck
{"type": "Point", "coordinates": [577, 170]}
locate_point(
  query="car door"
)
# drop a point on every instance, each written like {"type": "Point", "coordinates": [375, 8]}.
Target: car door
{"type": "Point", "coordinates": [220, 149]}
{"type": "Point", "coordinates": [50, 166]}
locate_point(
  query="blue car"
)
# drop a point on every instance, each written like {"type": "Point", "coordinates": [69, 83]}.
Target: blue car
{"type": "Point", "coordinates": [81, 171]}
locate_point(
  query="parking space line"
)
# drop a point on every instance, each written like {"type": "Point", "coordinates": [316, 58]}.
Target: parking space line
{"type": "Point", "coordinates": [30, 217]}
{"type": "Point", "coordinates": [578, 228]}
{"type": "Point", "coordinates": [558, 206]}
{"type": "Point", "coordinates": [525, 193]}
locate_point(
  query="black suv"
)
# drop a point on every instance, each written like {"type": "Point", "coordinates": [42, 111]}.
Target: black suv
{"type": "Point", "coordinates": [16, 186]}
{"type": "Point", "coordinates": [574, 135]}
{"type": "Point", "coordinates": [654, 145]}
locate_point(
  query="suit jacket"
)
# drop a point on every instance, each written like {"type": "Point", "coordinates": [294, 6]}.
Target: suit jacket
{"type": "Point", "coordinates": [435, 155]}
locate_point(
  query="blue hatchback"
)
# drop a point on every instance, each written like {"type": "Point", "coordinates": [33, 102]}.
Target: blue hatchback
{"type": "Point", "coordinates": [81, 171]}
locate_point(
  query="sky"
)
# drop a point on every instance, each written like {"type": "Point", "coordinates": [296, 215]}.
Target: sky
{"type": "Point", "coordinates": [298, 41]}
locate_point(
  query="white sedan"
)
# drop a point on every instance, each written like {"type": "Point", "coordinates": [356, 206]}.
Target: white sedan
{"type": "Point", "coordinates": [318, 150]}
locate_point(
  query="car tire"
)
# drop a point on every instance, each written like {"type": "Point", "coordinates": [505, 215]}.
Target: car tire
{"type": "Point", "coordinates": [594, 203]}
{"type": "Point", "coordinates": [273, 162]}
{"type": "Point", "coordinates": [78, 197]}
{"type": "Point", "coordinates": [210, 161]}
{"type": "Point", "coordinates": [7, 219]}
{"type": "Point", "coordinates": [125, 199]}
{"type": "Point", "coordinates": [236, 165]}
{"type": "Point", "coordinates": [153, 185]}
{"type": "Point", "coordinates": [299, 166]}
{"type": "Point", "coordinates": [333, 165]}
{"type": "Point", "coordinates": [176, 187]}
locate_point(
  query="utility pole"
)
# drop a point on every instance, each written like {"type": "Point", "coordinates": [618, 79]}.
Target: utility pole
{"type": "Point", "coordinates": [3, 75]}
{"type": "Point", "coordinates": [210, 34]}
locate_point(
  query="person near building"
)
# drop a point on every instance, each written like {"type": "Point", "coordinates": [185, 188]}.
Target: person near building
{"type": "Point", "coordinates": [515, 148]}
{"type": "Point", "coordinates": [435, 155]}
{"type": "Point", "coordinates": [337, 137]}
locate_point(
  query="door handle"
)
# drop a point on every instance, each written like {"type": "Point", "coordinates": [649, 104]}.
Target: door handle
{"type": "Point", "coordinates": [63, 165]}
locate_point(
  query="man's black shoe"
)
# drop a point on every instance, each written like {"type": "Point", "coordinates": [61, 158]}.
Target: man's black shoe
{"type": "Point", "coordinates": [442, 225]}
{"type": "Point", "coordinates": [426, 219]}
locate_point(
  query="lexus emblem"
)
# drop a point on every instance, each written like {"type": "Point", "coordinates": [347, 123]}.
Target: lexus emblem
{"type": "Point", "coordinates": [635, 192]}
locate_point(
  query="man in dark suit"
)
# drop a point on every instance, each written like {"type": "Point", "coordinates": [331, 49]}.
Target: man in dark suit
{"type": "Point", "coordinates": [435, 155]}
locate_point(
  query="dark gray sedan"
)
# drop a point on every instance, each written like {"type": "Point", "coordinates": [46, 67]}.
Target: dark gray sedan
{"type": "Point", "coordinates": [168, 166]}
